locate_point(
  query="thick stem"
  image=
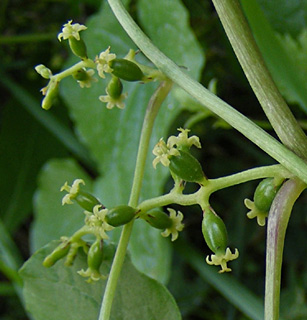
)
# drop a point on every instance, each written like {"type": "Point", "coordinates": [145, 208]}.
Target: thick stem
{"type": "Point", "coordinates": [250, 58]}
{"type": "Point", "coordinates": [238, 121]}
{"type": "Point", "coordinates": [150, 116]}
{"type": "Point", "coordinates": [277, 224]}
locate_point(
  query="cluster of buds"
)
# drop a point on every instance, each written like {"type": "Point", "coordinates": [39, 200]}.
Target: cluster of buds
{"type": "Point", "coordinates": [126, 69]}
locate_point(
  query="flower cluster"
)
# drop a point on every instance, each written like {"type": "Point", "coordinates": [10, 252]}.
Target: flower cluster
{"type": "Point", "coordinates": [96, 222]}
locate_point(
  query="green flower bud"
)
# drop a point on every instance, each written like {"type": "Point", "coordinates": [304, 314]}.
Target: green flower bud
{"type": "Point", "coordinates": [58, 253]}
{"type": "Point", "coordinates": [78, 47]}
{"type": "Point", "coordinates": [126, 70]}
{"type": "Point", "coordinates": [43, 71]}
{"type": "Point", "coordinates": [51, 94]}
{"type": "Point", "coordinates": [214, 231]}
{"type": "Point", "coordinates": [115, 88]}
{"type": "Point", "coordinates": [158, 219]}
{"type": "Point", "coordinates": [120, 215]}
{"type": "Point", "coordinates": [265, 194]}
{"type": "Point", "coordinates": [186, 167]}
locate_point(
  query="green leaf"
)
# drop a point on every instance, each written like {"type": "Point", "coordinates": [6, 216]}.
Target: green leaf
{"type": "Point", "coordinates": [170, 31]}
{"type": "Point", "coordinates": [60, 293]}
{"type": "Point", "coordinates": [286, 72]}
{"type": "Point", "coordinates": [286, 16]}
{"type": "Point", "coordinates": [52, 220]}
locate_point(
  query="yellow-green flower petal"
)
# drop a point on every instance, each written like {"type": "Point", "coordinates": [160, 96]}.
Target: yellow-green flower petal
{"type": "Point", "coordinates": [222, 259]}
{"type": "Point", "coordinates": [71, 30]}
{"type": "Point", "coordinates": [176, 226]}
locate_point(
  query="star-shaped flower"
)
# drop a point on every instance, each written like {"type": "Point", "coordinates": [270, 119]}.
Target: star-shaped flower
{"type": "Point", "coordinates": [88, 79]}
{"type": "Point", "coordinates": [72, 191]}
{"type": "Point", "coordinates": [71, 30]}
{"type": "Point", "coordinates": [112, 102]}
{"type": "Point", "coordinates": [255, 212]}
{"type": "Point", "coordinates": [163, 152]}
{"type": "Point", "coordinates": [103, 61]}
{"type": "Point", "coordinates": [182, 140]}
{"type": "Point", "coordinates": [222, 259]}
{"type": "Point", "coordinates": [176, 226]}
{"type": "Point", "coordinates": [91, 274]}
{"type": "Point", "coordinates": [96, 221]}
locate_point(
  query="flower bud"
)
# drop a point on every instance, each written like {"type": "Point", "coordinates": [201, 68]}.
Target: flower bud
{"type": "Point", "coordinates": [43, 71]}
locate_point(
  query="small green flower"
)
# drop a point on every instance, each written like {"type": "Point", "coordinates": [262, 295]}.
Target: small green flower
{"type": "Point", "coordinates": [103, 61]}
{"type": "Point", "coordinates": [163, 152]}
{"type": "Point", "coordinates": [91, 274]}
{"type": "Point", "coordinates": [222, 259]}
{"type": "Point", "coordinates": [112, 102]}
{"type": "Point", "coordinates": [72, 191]}
{"type": "Point", "coordinates": [182, 140]}
{"type": "Point", "coordinates": [71, 30]}
{"type": "Point", "coordinates": [255, 212]}
{"type": "Point", "coordinates": [176, 225]}
{"type": "Point", "coordinates": [96, 220]}
{"type": "Point", "coordinates": [85, 77]}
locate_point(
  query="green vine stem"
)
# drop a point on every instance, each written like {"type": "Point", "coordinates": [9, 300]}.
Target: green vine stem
{"type": "Point", "coordinates": [277, 224]}
{"type": "Point", "coordinates": [213, 185]}
{"type": "Point", "coordinates": [150, 116]}
{"type": "Point", "coordinates": [238, 121]}
{"type": "Point", "coordinates": [250, 58]}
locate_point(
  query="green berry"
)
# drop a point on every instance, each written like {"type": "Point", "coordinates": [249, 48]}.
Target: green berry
{"type": "Point", "coordinates": [78, 47]}
{"type": "Point", "coordinates": [86, 200]}
{"type": "Point", "coordinates": [214, 231]}
{"type": "Point", "coordinates": [115, 88]}
{"type": "Point", "coordinates": [120, 215]}
{"type": "Point", "coordinates": [126, 70]}
{"type": "Point", "coordinates": [95, 255]}
{"type": "Point", "coordinates": [158, 219]}
{"type": "Point", "coordinates": [265, 194]}
{"type": "Point", "coordinates": [186, 167]}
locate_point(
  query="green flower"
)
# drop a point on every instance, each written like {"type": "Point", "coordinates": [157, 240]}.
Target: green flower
{"type": "Point", "coordinates": [176, 225]}
{"type": "Point", "coordinates": [163, 152]}
{"type": "Point", "coordinates": [87, 79]}
{"type": "Point", "coordinates": [182, 140]}
{"type": "Point", "coordinates": [91, 274]}
{"type": "Point", "coordinates": [222, 259]}
{"type": "Point", "coordinates": [103, 61]}
{"type": "Point", "coordinates": [97, 223]}
{"type": "Point", "coordinates": [73, 191]}
{"type": "Point", "coordinates": [112, 102]}
{"type": "Point", "coordinates": [255, 212]}
{"type": "Point", "coordinates": [71, 31]}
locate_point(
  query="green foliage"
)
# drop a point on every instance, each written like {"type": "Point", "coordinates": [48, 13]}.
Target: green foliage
{"type": "Point", "coordinates": [45, 290]}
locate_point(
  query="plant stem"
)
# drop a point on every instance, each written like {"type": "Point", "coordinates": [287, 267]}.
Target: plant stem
{"type": "Point", "coordinates": [250, 58]}
{"type": "Point", "coordinates": [213, 185]}
{"type": "Point", "coordinates": [150, 116]}
{"type": "Point", "coordinates": [238, 121]}
{"type": "Point", "coordinates": [277, 224]}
